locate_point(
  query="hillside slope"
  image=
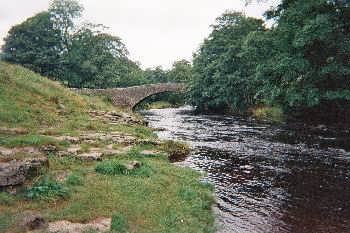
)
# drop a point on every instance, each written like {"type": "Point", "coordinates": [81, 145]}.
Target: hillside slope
{"type": "Point", "coordinates": [70, 163]}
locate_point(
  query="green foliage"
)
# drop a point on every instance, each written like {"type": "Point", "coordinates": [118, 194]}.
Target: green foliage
{"type": "Point", "coordinates": [47, 189]}
{"type": "Point", "coordinates": [34, 44]}
{"type": "Point", "coordinates": [223, 69]}
{"type": "Point", "coordinates": [119, 223]}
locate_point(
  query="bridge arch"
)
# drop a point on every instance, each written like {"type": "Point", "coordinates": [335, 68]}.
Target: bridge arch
{"type": "Point", "coordinates": [129, 97]}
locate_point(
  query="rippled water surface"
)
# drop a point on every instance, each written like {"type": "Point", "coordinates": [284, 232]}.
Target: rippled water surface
{"type": "Point", "coordinates": [267, 178]}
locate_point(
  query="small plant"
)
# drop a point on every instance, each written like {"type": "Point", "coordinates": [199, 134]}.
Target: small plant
{"type": "Point", "coordinates": [47, 189]}
{"type": "Point", "coordinates": [6, 199]}
{"type": "Point", "coordinates": [177, 150]}
{"type": "Point", "coordinates": [119, 223]}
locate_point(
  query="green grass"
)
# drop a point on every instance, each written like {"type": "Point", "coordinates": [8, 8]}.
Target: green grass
{"type": "Point", "coordinates": [171, 200]}
{"type": "Point", "coordinates": [34, 102]}
{"type": "Point", "coordinates": [119, 223]}
{"type": "Point", "coordinates": [29, 140]}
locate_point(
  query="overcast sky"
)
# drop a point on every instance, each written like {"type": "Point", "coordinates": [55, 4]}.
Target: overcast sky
{"type": "Point", "coordinates": [156, 32]}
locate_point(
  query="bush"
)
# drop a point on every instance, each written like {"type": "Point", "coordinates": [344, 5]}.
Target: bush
{"type": "Point", "coordinates": [177, 150]}
{"type": "Point", "coordinates": [47, 189]}
{"type": "Point", "coordinates": [119, 223]}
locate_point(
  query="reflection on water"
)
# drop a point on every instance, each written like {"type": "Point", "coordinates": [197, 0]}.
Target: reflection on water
{"type": "Point", "coordinates": [267, 178]}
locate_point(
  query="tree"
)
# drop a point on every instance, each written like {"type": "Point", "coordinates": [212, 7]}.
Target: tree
{"type": "Point", "coordinates": [181, 71]}
{"type": "Point", "coordinates": [310, 68]}
{"type": "Point", "coordinates": [63, 13]}
{"type": "Point", "coordinates": [223, 73]}
{"type": "Point", "coordinates": [98, 60]}
{"type": "Point", "coordinates": [34, 44]}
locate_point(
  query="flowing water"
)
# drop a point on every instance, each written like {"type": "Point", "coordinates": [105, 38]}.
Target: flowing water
{"type": "Point", "coordinates": [267, 178]}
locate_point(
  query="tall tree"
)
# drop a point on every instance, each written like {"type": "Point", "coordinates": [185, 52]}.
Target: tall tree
{"type": "Point", "coordinates": [181, 71]}
{"type": "Point", "coordinates": [63, 13]}
{"type": "Point", "coordinates": [311, 66]}
{"type": "Point", "coordinates": [223, 77]}
{"type": "Point", "coordinates": [34, 44]}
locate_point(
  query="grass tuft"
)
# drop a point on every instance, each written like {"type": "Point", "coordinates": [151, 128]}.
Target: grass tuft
{"type": "Point", "coordinates": [119, 223]}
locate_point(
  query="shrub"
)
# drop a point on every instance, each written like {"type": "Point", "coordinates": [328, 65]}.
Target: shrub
{"type": "Point", "coordinates": [177, 150]}
{"type": "Point", "coordinates": [119, 223]}
{"type": "Point", "coordinates": [47, 189]}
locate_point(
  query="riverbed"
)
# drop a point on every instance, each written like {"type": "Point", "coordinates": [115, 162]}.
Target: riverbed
{"type": "Point", "coordinates": [267, 177]}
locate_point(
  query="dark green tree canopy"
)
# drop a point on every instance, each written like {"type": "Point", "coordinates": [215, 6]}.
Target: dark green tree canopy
{"type": "Point", "coordinates": [34, 44]}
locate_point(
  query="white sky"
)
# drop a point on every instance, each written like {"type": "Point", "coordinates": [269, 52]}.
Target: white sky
{"type": "Point", "coordinates": [156, 32]}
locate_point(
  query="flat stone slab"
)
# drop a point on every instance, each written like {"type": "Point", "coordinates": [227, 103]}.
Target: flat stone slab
{"type": "Point", "coordinates": [19, 150]}
{"type": "Point", "coordinates": [91, 156]}
{"type": "Point", "coordinates": [150, 152]}
{"type": "Point", "coordinates": [99, 225]}
{"type": "Point", "coordinates": [5, 130]}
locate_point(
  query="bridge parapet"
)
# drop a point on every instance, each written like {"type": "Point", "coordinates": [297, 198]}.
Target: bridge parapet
{"type": "Point", "coordinates": [129, 97]}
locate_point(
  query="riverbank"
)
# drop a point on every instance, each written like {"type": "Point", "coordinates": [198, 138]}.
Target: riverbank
{"type": "Point", "coordinates": [73, 162]}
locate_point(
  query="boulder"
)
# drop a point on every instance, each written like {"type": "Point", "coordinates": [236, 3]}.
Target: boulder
{"type": "Point", "coordinates": [91, 156]}
{"type": "Point", "coordinates": [31, 221]}
{"type": "Point", "coordinates": [16, 172]}
{"type": "Point", "coordinates": [133, 165]}
{"type": "Point", "coordinates": [12, 173]}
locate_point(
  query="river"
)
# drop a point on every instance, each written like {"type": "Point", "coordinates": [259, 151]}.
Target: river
{"type": "Point", "coordinates": [267, 178]}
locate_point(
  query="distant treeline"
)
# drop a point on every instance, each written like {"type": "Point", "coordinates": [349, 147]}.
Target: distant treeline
{"type": "Point", "coordinates": [53, 44]}
{"type": "Point", "coordinates": [301, 64]}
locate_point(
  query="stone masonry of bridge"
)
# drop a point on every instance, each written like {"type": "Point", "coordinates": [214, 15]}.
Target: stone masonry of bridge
{"type": "Point", "coordinates": [129, 97]}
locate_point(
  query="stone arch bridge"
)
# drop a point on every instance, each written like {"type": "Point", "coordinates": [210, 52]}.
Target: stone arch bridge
{"type": "Point", "coordinates": [130, 96]}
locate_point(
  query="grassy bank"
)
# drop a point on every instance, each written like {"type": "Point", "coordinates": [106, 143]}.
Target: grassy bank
{"type": "Point", "coordinates": [155, 197]}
